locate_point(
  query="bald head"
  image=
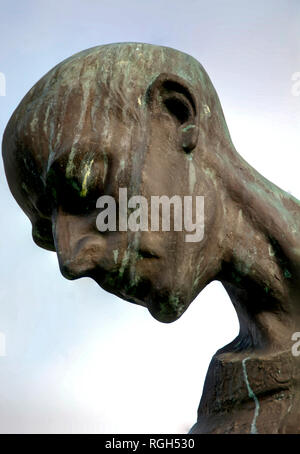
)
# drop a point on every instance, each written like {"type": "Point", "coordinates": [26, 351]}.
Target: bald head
{"type": "Point", "coordinates": [121, 115]}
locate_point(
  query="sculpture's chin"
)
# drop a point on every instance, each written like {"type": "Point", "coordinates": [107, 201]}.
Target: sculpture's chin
{"type": "Point", "coordinates": [166, 308]}
{"type": "Point", "coordinates": [123, 286]}
{"type": "Point", "coordinates": [164, 303]}
{"type": "Point", "coordinates": [164, 317]}
{"type": "Point", "coordinates": [161, 304]}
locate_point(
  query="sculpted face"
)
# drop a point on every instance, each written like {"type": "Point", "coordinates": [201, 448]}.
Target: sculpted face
{"type": "Point", "coordinates": [134, 116]}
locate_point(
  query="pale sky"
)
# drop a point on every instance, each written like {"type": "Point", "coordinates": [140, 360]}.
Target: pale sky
{"type": "Point", "coordinates": [77, 358]}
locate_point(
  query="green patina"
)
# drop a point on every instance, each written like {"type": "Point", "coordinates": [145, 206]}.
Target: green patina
{"type": "Point", "coordinates": [187, 128]}
{"type": "Point", "coordinates": [124, 263]}
{"type": "Point", "coordinates": [271, 251]}
{"type": "Point", "coordinates": [172, 305]}
{"type": "Point", "coordinates": [54, 193]}
{"type": "Point", "coordinates": [86, 176]}
{"type": "Point", "coordinates": [192, 176]}
{"type": "Point", "coordinates": [197, 274]}
{"type": "Point", "coordinates": [237, 278]}
{"type": "Point", "coordinates": [115, 254]}
{"type": "Point", "coordinates": [74, 184]}
{"type": "Point", "coordinates": [71, 166]}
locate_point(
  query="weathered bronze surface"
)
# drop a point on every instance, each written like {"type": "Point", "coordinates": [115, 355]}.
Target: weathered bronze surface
{"type": "Point", "coordinates": [148, 119]}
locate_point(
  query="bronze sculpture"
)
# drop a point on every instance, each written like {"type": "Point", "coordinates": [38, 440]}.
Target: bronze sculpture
{"type": "Point", "coordinates": [147, 118]}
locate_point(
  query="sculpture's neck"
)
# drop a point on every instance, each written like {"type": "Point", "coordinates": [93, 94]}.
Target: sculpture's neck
{"type": "Point", "coordinates": [253, 383]}
{"type": "Point", "coordinates": [261, 265]}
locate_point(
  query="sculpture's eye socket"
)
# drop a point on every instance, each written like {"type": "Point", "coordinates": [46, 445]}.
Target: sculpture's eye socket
{"type": "Point", "coordinates": [71, 193]}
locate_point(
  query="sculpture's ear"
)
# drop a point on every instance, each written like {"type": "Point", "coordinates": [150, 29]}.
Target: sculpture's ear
{"type": "Point", "coordinates": [173, 94]}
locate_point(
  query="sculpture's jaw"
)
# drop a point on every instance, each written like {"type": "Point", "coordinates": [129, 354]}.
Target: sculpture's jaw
{"type": "Point", "coordinates": [142, 290]}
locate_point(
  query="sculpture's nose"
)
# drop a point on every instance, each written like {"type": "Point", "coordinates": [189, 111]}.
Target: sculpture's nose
{"type": "Point", "coordinates": [78, 247]}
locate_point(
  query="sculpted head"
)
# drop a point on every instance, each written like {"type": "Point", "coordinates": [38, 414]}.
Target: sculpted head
{"type": "Point", "coordinates": [135, 116]}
